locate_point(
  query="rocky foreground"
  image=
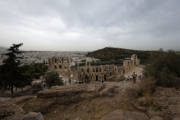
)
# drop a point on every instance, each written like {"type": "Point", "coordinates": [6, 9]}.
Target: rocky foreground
{"type": "Point", "coordinates": [95, 101]}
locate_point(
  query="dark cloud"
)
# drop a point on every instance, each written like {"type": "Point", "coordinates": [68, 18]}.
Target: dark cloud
{"type": "Point", "coordinates": [90, 24]}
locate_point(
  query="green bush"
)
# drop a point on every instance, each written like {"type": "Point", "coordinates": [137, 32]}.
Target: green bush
{"type": "Point", "coordinates": [165, 69]}
{"type": "Point", "coordinates": [52, 79]}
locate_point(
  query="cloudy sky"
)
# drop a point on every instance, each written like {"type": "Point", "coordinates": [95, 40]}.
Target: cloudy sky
{"type": "Point", "coordinates": [90, 24]}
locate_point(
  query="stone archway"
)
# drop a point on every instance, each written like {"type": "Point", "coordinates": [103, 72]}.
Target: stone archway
{"type": "Point", "coordinates": [97, 77]}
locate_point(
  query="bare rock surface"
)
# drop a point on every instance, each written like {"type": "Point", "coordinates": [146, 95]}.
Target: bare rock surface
{"type": "Point", "coordinates": [9, 111]}
{"type": "Point", "coordinates": [3, 99]}
{"type": "Point", "coordinates": [176, 118]}
{"type": "Point", "coordinates": [70, 90]}
{"type": "Point", "coordinates": [22, 99]}
{"type": "Point", "coordinates": [33, 116]}
{"type": "Point", "coordinates": [117, 78]}
{"type": "Point", "coordinates": [156, 118]}
{"type": "Point", "coordinates": [108, 91]}
{"type": "Point", "coordinates": [169, 101]}
{"type": "Point", "coordinates": [125, 115]}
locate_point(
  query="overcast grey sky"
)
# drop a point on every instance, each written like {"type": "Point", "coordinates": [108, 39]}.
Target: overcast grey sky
{"type": "Point", "coordinates": [90, 24]}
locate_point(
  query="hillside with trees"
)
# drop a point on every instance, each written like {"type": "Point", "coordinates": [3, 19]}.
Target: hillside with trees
{"type": "Point", "coordinates": [111, 55]}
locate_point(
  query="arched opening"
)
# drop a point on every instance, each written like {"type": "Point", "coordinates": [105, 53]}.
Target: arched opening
{"type": "Point", "coordinates": [96, 77]}
{"type": "Point", "coordinates": [110, 74]}
{"type": "Point", "coordinates": [97, 69]}
{"type": "Point", "coordinates": [105, 78]}
{"type": "Point", "coordinates": [55, 66]}
{"type": "Point", "coordinates": [86, 78]}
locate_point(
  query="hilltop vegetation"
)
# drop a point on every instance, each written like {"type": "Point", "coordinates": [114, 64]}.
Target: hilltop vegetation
{"type": "Point", "coordinates": [110, 55]}
{"type": "Point", "coordinates": [165, 69]}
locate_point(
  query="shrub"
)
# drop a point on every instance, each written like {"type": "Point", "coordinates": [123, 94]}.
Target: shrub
{"type": "Point", "coordinates": [142, 93]}
{"type": "Point", "coordinates": [52, 79]}
{"type": "Point", "coordinates": [165, 69]}
{"type": "Point", "coordinates": [145, 87]}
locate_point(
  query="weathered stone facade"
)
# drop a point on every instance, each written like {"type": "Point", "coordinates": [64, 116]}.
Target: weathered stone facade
{"type": "Point", "coordinates": [97, 73]}
{"type": "Point", "coordinates": [87, 73]}
{"type": "Point", "coordinates": [130, 63]}
{"type": "Point", "coordinates": [59, 63]}
{"type": "Point", "coordinates": [101, 73]}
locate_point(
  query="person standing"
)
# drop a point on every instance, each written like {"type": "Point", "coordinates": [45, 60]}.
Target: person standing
{"type": "Point", "coordinates": [134, 77]}
{"type": "Point", "coordinates": [141, 76]}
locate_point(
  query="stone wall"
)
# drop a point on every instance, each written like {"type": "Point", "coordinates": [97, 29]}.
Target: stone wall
{"type": "Point", "coordinates": [129, 64]}
{"type": "Point", "coordinates": [97, 73]}
{"type": "Point", "coordinates": [59, 63]}
{"type": "Point", "coordinates": [87, 73]}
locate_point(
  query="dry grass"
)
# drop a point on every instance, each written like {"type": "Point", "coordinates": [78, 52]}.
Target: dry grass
{"type": "Point", "coordinates": [144, 90]}
{"type": "Point", "coordinates": [147, 86]}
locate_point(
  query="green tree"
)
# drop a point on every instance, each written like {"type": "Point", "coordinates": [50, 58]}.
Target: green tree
{"type": "Point", "coordinates": [3, 82]}
{"type": "Point", "coordinates": [11, 68]}
{"type": "Point", "coordinates": [26, 77]}
{"type": "Point", "coordinates": [52, 79]}
{"type": "Point", "coordinates": [39, 69]}
{"type": "Point", "coordinates": [165, 69]}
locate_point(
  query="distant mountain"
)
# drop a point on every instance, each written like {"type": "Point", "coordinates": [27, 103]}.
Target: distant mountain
{"type": "Point", "coordinates": [116, 55]}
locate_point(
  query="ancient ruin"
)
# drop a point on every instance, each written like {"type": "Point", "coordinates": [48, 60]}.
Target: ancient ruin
{"type": "Point", "coordinates": [59, 63]}
{"type": "Point", "coordinates": [88, 73]}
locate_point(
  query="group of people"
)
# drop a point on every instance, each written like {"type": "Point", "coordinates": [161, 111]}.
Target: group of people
{"type": "Point", "coordinates": [135, 77]}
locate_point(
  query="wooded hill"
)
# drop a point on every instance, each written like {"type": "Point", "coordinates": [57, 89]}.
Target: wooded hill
{"type": "Point", "coordinates": [110, 55]}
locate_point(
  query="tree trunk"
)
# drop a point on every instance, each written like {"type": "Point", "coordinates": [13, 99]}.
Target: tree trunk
{"type": "Point", "coordinates": [12, 91]}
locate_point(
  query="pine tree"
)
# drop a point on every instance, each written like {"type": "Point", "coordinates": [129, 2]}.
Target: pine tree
{"type": "Point", "coordinates": [11, 68]}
